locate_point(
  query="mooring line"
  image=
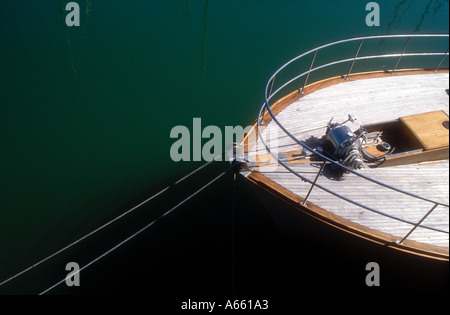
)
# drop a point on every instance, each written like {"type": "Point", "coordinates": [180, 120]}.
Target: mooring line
{"type": "Point", "coordinates": [108, 223]}
{"type": "Point", "coordinates": [140, 231]}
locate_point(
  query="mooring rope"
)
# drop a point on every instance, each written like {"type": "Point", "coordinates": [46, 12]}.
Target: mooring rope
{"type": "Point", "coordinates": [140, 231]}
{"type": "Point", "coordinates": [108, 223]}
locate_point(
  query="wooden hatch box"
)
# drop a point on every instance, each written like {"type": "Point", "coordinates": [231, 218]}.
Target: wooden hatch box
{"type": "Point", "coordinates": [417, 138]}
{"type": "Point", "coordinates": [428, 129]}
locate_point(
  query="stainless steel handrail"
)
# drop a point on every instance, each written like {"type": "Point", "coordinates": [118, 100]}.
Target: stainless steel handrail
{"type": "Point", "coordinates": [269, 95]}
{"type": "Point", "coordinates": [352, 59]}
{"type": "Point", "coordinates": [354, 39]}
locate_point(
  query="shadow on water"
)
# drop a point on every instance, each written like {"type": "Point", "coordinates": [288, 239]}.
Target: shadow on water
{"type": "Point", "coordinates": [405, 5]}
{"type": "Point", "coordinates": [205, 37]}
{"type": "Point", "coordinates": [225, 243]}
{"type": "Point", "coordinates": [74, 60]}
{"type": "Point", "coordinates": [189, 9]}
{"type": "Point", "coordinates": [185, 14]}
{"type": "Point", "coordinates": [87, 11]}
{"type": "Point", "coordinates": [422, 18]}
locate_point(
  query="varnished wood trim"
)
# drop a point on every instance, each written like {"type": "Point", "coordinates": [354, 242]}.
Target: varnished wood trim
{"type": "Point", "coordinates": [375, 236]}
{"type": "Point", "coordinates": [417, 157]}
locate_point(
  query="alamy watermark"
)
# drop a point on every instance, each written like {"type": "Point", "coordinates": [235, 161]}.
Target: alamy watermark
{"type": "Point", "coordinates": [73, 277]}
{"type": "Point", "coordinates": [373, 277]}
{"type": "Point", "coordinates": [213, 143]}
{"type": "Point", "coordinates": [73, 17]}
{"type": "Point", "coordinates": [373, 18]}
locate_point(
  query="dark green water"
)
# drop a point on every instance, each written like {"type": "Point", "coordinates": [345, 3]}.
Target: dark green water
{"type": "Point", "coordinates": [85, 118]}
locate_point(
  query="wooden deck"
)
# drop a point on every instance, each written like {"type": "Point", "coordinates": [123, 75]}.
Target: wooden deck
{"type": "Point", "coordinates": [370, 99]}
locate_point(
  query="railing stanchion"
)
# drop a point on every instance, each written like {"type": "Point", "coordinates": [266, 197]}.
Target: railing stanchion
{"type": "Point", "coordinates": [354, 59]}
{"type": "Point", "coordinates": [268, 97]}
{"type": "Point", "coordinates": [309, 72]}
{"type": "Point", "coordinates": [314, 183]}
{"type": "Point", "coordinates": [401, 56]}
{"type": "Point", "coordinates": [271, 87]}
{"type": "Point", "coordinates": [419, 223]}
{"type": "Point", "coordinates": [261, 118]}
{"type": "Point", "coordinates": [440, 63]}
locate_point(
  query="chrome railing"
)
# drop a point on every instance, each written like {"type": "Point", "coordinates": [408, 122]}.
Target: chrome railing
{"type": "Point", "coordinates": [269, 94]}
